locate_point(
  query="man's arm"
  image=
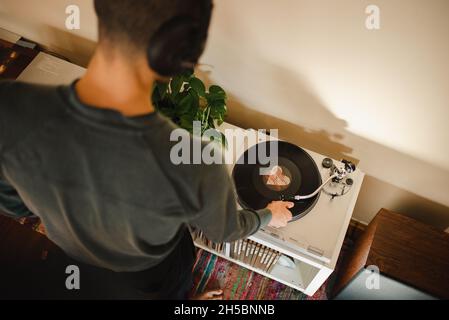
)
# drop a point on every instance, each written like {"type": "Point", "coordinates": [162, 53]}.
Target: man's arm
{"type": "Point", "coordinates": [219, 218]}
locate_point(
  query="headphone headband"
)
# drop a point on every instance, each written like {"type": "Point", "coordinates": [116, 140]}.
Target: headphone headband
{"type": "Point", "coordinates": [179, 43]}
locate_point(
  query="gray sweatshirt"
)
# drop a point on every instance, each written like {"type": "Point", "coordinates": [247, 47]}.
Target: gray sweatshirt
{"type": "Point", "coordinates": [103, 184]}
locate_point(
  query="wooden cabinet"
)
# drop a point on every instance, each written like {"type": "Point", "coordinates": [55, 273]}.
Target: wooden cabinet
{"type": "Point", "coordinates": [404, 250]}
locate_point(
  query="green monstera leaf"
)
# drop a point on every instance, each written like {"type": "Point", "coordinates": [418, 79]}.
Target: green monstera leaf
{"type": "Point", "coordinates": [185, 99]}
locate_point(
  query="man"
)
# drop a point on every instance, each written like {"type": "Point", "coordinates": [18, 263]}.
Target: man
{"type": "Point", "coordinates": [92, 160]}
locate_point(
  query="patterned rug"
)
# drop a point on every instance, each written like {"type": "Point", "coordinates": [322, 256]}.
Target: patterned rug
{"type": "Point", "coordinates": [238, 283]}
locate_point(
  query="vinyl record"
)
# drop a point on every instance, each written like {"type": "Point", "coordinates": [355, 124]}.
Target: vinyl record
{"type": "Point", "coordinates": [295, 174]}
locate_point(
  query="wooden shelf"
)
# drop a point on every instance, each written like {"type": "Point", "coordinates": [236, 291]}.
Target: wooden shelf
{"type": "Point", "coordinates": [298, 278]}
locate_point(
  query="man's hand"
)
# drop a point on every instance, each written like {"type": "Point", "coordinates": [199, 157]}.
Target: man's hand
{"type": "Point", "coordinates": [280, 212]}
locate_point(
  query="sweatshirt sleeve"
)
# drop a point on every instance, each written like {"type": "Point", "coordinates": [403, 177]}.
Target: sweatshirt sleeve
{"type": "Point", "coordinates": [218, 217]}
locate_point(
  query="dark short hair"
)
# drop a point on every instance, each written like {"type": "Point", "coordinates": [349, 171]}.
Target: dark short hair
{"type": "Point", "coordinates": [135, 21]}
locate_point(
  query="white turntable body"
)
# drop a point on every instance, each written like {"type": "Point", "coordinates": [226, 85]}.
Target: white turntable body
{"type": "Point", "coordinates": [313, 242]}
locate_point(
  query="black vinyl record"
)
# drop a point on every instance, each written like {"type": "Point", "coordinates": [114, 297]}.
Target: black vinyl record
{"type": "Point", "coordinates": [295, 174]}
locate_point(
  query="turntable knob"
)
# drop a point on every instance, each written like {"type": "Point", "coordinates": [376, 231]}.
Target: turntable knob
{"type": "Point", "coordinates": [327, 163]}
{"type": "Point", "coordinates": [349, 182]}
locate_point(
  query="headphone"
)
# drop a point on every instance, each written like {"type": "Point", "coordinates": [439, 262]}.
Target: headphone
{"type": "Point", "coordinates": [178, 44]}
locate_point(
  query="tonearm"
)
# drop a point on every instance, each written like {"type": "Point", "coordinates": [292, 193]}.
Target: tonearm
{"type": "Point", "coordinates": [338, 173]}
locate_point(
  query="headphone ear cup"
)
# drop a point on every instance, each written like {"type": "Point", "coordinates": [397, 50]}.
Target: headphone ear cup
{"type": "Point", "coordinates": [175, 48]}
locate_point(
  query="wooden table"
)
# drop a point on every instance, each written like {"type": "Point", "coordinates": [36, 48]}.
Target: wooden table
{"type": "Point", "coordinates": [405, 250]}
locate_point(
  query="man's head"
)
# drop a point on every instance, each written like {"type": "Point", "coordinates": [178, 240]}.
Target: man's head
{"type": "Point", "coordinates": [171, 33]}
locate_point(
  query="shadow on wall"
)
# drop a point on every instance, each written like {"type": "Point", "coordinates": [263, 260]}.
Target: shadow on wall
{"type": "Point", "coordinates": [321, 141]}
{"type": "Point", "coordinates": [338, 143]}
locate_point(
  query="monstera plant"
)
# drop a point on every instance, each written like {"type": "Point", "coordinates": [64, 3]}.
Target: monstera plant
{"type": "Point", "coordinates": [185, 99]}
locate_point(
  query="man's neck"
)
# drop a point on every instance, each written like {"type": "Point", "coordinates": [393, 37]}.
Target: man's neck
{"type": "Point", "coordinates": [113, 82]}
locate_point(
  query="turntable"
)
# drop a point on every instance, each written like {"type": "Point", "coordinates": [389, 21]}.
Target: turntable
{"type": "Point", "coordinates": [324, 192]}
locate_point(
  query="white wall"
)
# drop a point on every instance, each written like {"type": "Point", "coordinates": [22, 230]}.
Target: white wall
{"type": "Point", "coordinates": [312, 69]}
